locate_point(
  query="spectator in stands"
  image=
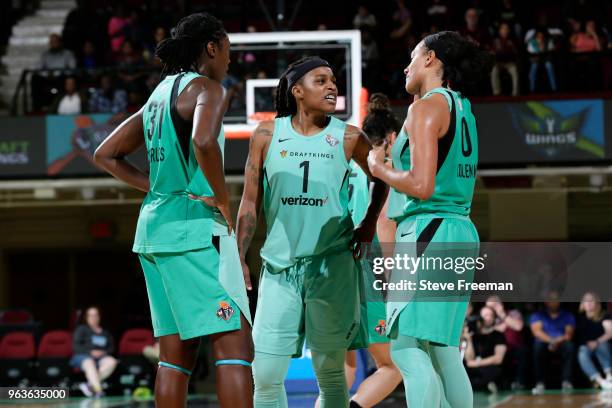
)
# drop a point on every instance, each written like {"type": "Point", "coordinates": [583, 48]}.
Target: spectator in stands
{"type": "Point", "coordinates": [484, 354]}
{"type": "Point", "coordinates": [364, 18]}
{"type": "Point", "coordinates": [403, 23]}
{"type": "Point", "coordinates": [587, 39]}
{"type": "Point", "coordinates": [471, 318]}
{"type": "Point", "coordinates": [44, 85]}
{"type": "Point", "coordinates": [586, 68]}
{"type": "Point", "coordinates": [510, 323]}
{"type": "Point", "coordinates": [130, 65]}
{"type": "Point", "coordinates": [402, 14]}
{"type": "Point", "coordinates": [593, 334]}
{"type": "Point", "coordinates": [69, 102]}
{"type": "Point", "coordinates": [159, 35]}
{"type": "Point", "coordinates": [369, 59]}
{"type": "Point", "coordinates": [92, 347]}
{"type": "Point", "coordinates": [506, 58]}
{"type": "Point", "coordinates": [508, 14]}
{"type": "Point", "coordinates": [118, 26]}
{"type": "Point", "coordinates": [138, 31]}
{"type": "Point", "coordinates": [553, 331]}
{"type": "Point", "coordinates": [57, 57]}
{"type": "Point", "coordinates": [81, 24]}
{"type": "Point", "coordinates": [88, 58]}
{"type": "Point", "coordinates": [107, 98]}
{"type": "Point", "coordinates": [473, 29]}
{"type": "Point", "coordinates": [438, 13]}
{"type": "Point", "coordinates": [540, 47]}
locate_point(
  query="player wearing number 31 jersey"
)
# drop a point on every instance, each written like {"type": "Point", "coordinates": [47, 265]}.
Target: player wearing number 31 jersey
{"type": "Point", "coordinates": [298, 166]}
{"type": "Point", "coordinates": [184, 235]}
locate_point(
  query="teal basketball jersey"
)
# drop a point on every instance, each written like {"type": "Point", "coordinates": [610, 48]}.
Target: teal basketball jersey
{"type": "Point", "coordinates": [457, 162]}
{"type": "Point", "coordinates": [169, 220]}
{"type": "Point", "coordinates": [359, 193]}
{"type": "Point", "coordinates": [305, 194]}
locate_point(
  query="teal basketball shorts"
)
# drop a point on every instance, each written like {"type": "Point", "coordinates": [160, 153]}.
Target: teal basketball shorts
{"type": "Point", "coordinates": [317, 300]}
{"type": "Point", "coordinates": [196, 293]}
{"type": "Point", "coordinates": [433, 320]}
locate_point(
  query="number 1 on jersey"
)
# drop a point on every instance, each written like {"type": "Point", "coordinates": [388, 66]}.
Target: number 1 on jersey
{"type": "Point", "coordinates": [305, 164]}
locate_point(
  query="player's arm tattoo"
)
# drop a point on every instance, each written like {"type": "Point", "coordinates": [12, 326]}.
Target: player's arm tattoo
{"type": "Point", "coordinates": [253, 187]}
{"type": "Point", "coordinates": [352, 134]}
{"type": "Point", "coordinates": [248, 221]}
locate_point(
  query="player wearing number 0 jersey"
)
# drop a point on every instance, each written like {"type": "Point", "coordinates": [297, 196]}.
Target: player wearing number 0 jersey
{"type": "Point", "coordinates": [432, 179]}
{"type": "Point", "coordinates": [298, 167]}
{"type": "Point", "coordinates": [184, 236]}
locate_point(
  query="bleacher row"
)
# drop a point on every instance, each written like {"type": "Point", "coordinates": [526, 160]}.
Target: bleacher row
{"type": "Point", "coordinates": [23, 362]}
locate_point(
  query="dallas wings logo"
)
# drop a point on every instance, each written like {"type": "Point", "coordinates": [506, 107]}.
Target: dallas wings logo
{"type": "Point", "coordinates": [556, 127]}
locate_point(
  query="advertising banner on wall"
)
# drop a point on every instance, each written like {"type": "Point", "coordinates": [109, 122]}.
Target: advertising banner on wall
{"type": "Point", "coordinates": [72, 141]}
{"type": "Point", "coordinates": [543, 132]}
{"type": "Point", "coordinates": [22, 150]}
{"type": "Point", "coordinates": [510, 134]}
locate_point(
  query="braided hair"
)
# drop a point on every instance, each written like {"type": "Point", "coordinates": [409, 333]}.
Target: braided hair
{"type": "Point", "coordinates": [380, 120]}
{"type": "Point", "coordinates": [285, 104]}
{"type": "Point", "coordinates": [191, 35]}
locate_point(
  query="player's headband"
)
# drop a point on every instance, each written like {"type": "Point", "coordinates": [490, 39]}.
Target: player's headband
{"type": "Point", "coordinates": [436, 46]}
{"type": "Point", "coordinates": [302, 69]}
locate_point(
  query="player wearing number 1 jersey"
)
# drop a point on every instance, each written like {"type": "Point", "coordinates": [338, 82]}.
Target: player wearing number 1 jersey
{"type": "Point", "coordinates": [432, 179]}
{"type": "Point", "coordinates": [298, 167]}
{"type": "Point", "coordinates": [184, 235]}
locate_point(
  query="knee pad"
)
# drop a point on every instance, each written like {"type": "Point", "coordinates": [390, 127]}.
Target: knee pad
{"type": "Point", "coordinates": [175, 367]}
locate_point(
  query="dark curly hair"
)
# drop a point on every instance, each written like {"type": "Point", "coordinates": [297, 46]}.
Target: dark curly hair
{"type": "Point", "coordinates": [380, 120]}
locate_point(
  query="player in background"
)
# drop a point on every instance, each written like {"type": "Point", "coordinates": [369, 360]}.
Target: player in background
{"type": "Point", "coordinates": [381, 126]}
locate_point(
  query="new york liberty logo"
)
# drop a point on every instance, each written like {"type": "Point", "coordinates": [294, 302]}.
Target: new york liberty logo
{"type": "Point", "coordinates": [555, 127]}
{"type": "Point", "coordinates": [380, 328]}
{"type": "Point", "coordinates": [225, 311]}
{"type": "Point", "coordinates": [332, 141]}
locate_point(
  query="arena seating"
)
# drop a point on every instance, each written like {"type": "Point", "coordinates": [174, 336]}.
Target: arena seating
{"type": "Point", "coordinates": [133, 366]}
{"type": "Point", "coordinates": [54, 352]}
{"type": "Point", "coordinates": [17, 353]}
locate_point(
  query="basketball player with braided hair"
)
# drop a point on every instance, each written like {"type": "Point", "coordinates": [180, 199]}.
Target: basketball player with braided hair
{"type": "Point", "coordinates": [184, 236]}
{"type": "Point", "coordinates": [298, 168]}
